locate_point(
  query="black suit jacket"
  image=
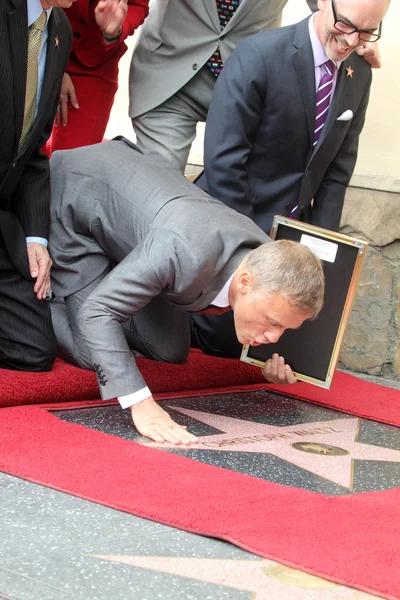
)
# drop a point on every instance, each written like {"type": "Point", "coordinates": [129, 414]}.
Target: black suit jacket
{"type": "Point", "coordinates": [259, 157]}
{"type": "Point", "coordinates": [24, 174]}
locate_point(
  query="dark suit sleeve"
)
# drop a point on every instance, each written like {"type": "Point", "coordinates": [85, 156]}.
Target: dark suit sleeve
{"type": "Point", "coordinates": [232, 125]}
{"type": "Point", "coordinates": [33, 198]}
{"type": "Point", "coordinates": [151, 267]}
{"type": "Point", "coordinates": [33, 201]}
{"type": "Point", "coordinates": [329, 199]}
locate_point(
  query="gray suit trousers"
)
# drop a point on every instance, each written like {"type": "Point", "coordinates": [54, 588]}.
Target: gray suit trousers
{"type": "Point", "coordinates": [170, 128]}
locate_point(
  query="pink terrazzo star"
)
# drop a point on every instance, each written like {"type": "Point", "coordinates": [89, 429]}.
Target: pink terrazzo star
{"type": "Point", "coordinates": [315, 440]}
{"type": "Point", "coordinates": [266, 579]}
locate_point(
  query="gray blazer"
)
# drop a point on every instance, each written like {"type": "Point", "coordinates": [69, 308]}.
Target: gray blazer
{"type": "Point", "coordinates": [258, 155]}
{"type": "Point", "coordinates": [112, 205]}
{"type": "Point", "coordinates": [179, 36]}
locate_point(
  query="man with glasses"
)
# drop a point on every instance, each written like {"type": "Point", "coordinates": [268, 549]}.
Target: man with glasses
{"type": "Point", "coordinates": [283, 126]}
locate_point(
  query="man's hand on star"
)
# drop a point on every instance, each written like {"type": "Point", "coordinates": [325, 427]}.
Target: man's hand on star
{"type": "Point", "coordinates": [277, 371]}
{"type": "Point", "coordinates": [153, 422]}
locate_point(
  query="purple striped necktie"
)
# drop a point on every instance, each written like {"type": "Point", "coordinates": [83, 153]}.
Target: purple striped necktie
{"type": "Point", "coordinates": [323, 100]}
{"type": "Point", "coordinates": [324, 97]}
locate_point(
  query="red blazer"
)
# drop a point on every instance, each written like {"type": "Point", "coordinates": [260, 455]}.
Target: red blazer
{"type": "Point", "coordinates": [87, 40]}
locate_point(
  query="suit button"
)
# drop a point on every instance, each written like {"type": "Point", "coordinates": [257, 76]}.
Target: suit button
{"type": "Point", "coordinates": [195, 66]}
{"type": "Point", "coordinates": [307, 173]}
{"type": "Point", "coordinates": [222, 37]}
{"type": "Point", "coordinates": [13, 165]}
{"type": "Point", "coordinates": [289, 206]}
{"type": "Point", "coordinates": [77, 35]}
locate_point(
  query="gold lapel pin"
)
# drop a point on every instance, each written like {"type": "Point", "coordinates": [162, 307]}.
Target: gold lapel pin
{"type": "Point", "coordinates": [350, 71]}
{"type": "Point", "coordinates": [56, 41]}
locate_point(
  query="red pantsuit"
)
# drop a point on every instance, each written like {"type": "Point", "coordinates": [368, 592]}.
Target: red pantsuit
{"type": "Point", "coordinates": [93, 68]}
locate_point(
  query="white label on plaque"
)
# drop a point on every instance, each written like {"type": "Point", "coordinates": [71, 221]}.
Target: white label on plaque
{"type": "Point", "coordinates": [322, 248]}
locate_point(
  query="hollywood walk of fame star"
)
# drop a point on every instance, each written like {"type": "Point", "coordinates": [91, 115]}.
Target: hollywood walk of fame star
{"type": "Point", "coordinates": [266, 579]}
{"type": "Point", "coordinates": [239, 435]}
{"type": "Point", "coordinates": [350, 71]}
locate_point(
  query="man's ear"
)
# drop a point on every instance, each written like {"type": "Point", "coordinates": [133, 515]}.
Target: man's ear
{"type": "Point", "coordinates": [245, 283]}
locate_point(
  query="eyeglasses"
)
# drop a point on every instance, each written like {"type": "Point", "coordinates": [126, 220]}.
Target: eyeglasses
{"type": "Point", "coordinates": [365, 36]}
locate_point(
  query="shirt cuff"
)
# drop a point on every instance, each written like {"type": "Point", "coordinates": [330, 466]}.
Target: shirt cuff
{"type": "Point", "coordinates": [131, 399]}
{"type": "Point", "coordinates": [37, 240]}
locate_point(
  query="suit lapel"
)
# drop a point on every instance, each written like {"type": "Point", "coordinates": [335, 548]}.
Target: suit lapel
{"type": "Point", "coordinates": [18, 22]}
{"type": "Point", "coordinates": [52, 57]}
{"type": "Point", "coordinates": [210, 9]}
{"type": "Point", "coordinates": [303, 58]}
{"type": "Point", "coordinates": [244, 7]}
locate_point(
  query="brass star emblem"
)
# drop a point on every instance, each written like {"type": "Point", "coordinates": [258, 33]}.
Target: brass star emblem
{"type": "Point", "coordinates": [56, 41]}
{"type": "Point", "coordinates": [350, 71]}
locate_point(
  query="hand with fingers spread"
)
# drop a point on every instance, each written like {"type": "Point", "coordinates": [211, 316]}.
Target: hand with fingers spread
{"type": "Point", "coordinates": [67, 95]}
{"type": "Point", "coordinates": [153, 422]}
{"type": "Point", "coordinates": [39, 267]}
{"type": "Point", "coordinates": [277, 371]}
{"type": "Point", "coordinates": [110, 16]}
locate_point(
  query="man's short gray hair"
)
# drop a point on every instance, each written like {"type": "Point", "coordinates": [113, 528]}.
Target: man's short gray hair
{"type": "Point", "coordinates": [291, 270]}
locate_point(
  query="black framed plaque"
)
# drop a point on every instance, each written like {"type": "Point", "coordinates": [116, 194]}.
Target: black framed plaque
{"type": "Point", "coordinates": [313, 350]}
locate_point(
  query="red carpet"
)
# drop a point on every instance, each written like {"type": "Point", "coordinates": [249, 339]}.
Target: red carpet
{"type": "Point", "coordinates": [353, 539]}
{"type": "Point", "coordinates": [199, 373]}
{"type": "Point", "coordinates": [65, 382]}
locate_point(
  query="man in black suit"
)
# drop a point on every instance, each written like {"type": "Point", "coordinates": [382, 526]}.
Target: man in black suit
{"type": "Point", "coordinates": [271, 145]}
{"type": "Point", "coordinates": [27, 340]}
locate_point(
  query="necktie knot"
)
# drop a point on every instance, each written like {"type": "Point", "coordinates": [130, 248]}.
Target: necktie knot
{"type": "Point", "coordinates": [40, 22]}
{"type": "Point", "coordinates": [330, 67]}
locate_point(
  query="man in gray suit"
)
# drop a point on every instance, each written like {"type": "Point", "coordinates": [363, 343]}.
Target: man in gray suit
{"type": "Point", "coordinates": [137, 248]}
{"type": "Point", "coordinates": [172, 74]}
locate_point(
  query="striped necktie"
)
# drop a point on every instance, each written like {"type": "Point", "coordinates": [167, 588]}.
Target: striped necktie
{"type": "Point", "coordinates": [225, 9]}
{"type": "Point", "coordinates": [324, 97]}
{"type": "Point", "coordinates": [34, 43]}
{"type": "Point", "coordinates": [323, 100]}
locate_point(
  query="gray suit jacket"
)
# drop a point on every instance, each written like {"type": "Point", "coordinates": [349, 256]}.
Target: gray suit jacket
{"type": "Point", "coordinates": [259, 157]}
{"type": "Point", "coordinates": [179, 36]}
{"type": "Point", "coordinates": [112, 205]}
